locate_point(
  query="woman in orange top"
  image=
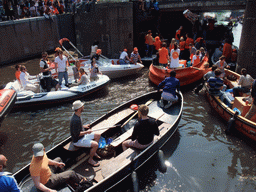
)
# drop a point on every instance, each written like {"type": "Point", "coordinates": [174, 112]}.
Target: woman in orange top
{"type": "Point", "coordinates": [17, 73]}
{"type": "Point", "coordinates": [163, 55]}
{"type": "Point", "coordinates": [188, 41]}
{"type": "Point", "coordinates": [182, 47]}
{"type": "Point", "coordinates": [177, 35]}
{"type": "Point", "coordinates": [157, 43]}
{"type": "Point", "coordinates": [172, 44]}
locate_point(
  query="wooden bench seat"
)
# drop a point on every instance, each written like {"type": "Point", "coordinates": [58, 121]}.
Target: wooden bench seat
{"type": "Point", "coordinates": [118, 162]}
{"type": "Point", "coordinates": [119, 140]}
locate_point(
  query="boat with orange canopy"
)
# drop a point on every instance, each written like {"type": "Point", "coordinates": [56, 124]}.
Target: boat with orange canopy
{"type": "Point", "coordinates": [186, 75]}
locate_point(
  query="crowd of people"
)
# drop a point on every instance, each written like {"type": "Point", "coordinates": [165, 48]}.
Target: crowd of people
{"type": "Point", "coordinates": [18, 9]}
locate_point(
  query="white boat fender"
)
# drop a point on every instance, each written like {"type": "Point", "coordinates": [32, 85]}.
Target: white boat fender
{"type": "Point", "coordinates": [161, 161]}
{"type": "Point", "coordinates": [231, 123]}
{"type": "Point", "coordinates": [135, 182]}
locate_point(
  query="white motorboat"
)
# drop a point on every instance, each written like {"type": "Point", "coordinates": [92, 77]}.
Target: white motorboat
{"type": "Point", "coordinates": [31, 99]}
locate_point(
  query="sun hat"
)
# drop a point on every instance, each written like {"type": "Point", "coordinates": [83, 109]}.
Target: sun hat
{"type": "Point", "coordinates": [77, 104]}
{"type": "Point", "coordinates": [38, 150]}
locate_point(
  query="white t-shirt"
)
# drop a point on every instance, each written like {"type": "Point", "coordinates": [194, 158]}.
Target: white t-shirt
{"type": "Point", "coordinates": [94, 48]}
{"type": "Point", "coordinates": [61, 63]}
{"type": "Point", "coordinates": [175, 58]}
{"type": "Point", "coordinates": [123, 55]}
{"type": "Point", "coordinates": [24, 79]}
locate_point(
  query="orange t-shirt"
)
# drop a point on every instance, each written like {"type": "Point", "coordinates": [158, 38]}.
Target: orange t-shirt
{"type": "Point", "coordinates": [188, 41]}
{"type": "Point", "coordinates": [157, 44]}
{"type": "Point", "coordinates": [163, 55]}
{"type": "Point", "coordinates": [17, 75]}
{"type": "Point", "coordinates": [41, 169]}
{"type": "Point", "coordinates": [234, 57]}
{"type": "Point", "coordinates": [227, 50]}
{"type": "Point", "coordinates": [182, 45]}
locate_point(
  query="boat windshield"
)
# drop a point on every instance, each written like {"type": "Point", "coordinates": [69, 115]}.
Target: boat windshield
{"type": "Point", "coordinates": [103, 61]}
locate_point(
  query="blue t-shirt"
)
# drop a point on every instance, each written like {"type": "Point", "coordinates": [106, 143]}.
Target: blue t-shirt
{"type": "Point", "coordinates": [8, 183]}
{"type": "Point", "coordinates": [170, 85]}
{"type": "Point", "coordinates": [215, 84]}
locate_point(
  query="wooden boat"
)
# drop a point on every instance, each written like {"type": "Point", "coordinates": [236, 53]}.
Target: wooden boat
{"type": "Point", "coordinates": [243, 125]}
{"type": "Point", "coordinates": [113, 170]}
{"type": "Point", "coordinates": [109, 67]}
{"type": "Point", "coordinates": [7, 100]}
{"type": "Point", "coordinates": [186, 75]}
{"type": "Point", "coordinates": [27, 99]}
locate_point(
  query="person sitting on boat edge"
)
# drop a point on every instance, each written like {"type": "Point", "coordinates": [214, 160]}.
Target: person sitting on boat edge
{"type": "Point", "coordinates": [17, 73]}
{"type": "Point", "coordinates": [171, 85]}
{"type": "Point", "coordinates": [135, 56]}
{"type": "Point", "coordinates": [252, 110]}
{"type": "Point", "coordinates": [48, 81]}
{"type": "Point", "coordinates": [244, 83]}
{"type": "Point", "coordinates": [25, 80]}
{"type": "Point", "coordinates": [215, 84]}
{"type": "Point", "coordinates": [94, 70]}
{"type": "Point", "coordinates": [124, 59]}
{"type": "Point", "coordinates": [143, 132]}
{"type": "Point", "coordinates": [96, 56]}
{"type": "Point", "coordinates": [221, 64]}
{"type": "Point", "coordinates": [7, 182]}
{"type": "Point", "coordinates": [83, 80]}
{"type": "Point", "coordinates": [81, 135]}
{"type": "Point", "coordinates": [42, 175]}
{"type": "Point", "coordinates": [210, 73]}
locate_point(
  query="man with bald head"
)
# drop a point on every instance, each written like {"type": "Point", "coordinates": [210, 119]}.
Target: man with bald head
{"type": "Point", "coordinates": [7, 182]}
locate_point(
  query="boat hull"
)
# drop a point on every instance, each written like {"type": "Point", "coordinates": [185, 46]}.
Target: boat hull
{"type": "Point", "coordinates": [170, 117]}
{"type": "Point", "coordinates": [185, 75]}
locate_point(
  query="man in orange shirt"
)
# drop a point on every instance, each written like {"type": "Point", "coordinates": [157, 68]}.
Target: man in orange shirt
{"type": "Point", "coordinates": [157, 43]}
{"type": "Point", "coordinates": [189, 40]}
{"type": "Point", "coordinates": [163, 55]}
{"type": "Point", "coordinates": [149, 43]}
{"type": "Point", "coordinates": [227, 50]}
{"type": "Point", "coordinates": [177, 35]}
{"type": "Point", "coordinates": [42, 175]}
{"type": "Point", "coordinates": [182, 47]}
{"type": "Point", "coordinates": [17, 73]}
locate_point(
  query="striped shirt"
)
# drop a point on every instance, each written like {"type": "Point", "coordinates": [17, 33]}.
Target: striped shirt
{"type": "Point", "coordinates": [215, 84]}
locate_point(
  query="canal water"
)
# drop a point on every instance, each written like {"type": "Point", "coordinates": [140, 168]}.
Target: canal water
{"type": "Point", "coordinates": [200, 156]}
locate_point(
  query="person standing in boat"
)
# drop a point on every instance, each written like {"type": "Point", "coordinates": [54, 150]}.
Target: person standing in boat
{"type": "Point", "coordinates": [143, 132]}
{"type": "Point", "coordinates": [94, 48]}
{"type": "Point", "coordinates": [178, 34]}
{"type": "Point", "coordinates": [94, 70]}
{"type": "Point", "coordinates": [244, 83]}
{"type": "Point", "coordinates": [124, 59]}
{"type": "Point", "coordinates": [188, 41]}
{"type": "Point", "coordinates": [252, 110]}
{"type": "Point", "coordinates": [81, 135]}
{"type": "Point", "coordinates": [174, 56]}
{"type": "Point", "coordinates": [171, 85]}
{"type": "Point", "coordinates": [43, 177]}
{"type": "Point", "coordinates": [26, 82]}
{"type": "Point", "coordinates": [7, 182]}
{"type": "Point", "coordinates": [182, 48]}
{"type": "Point", "coordinates": [163, 55]}
{"type": "Point", "coordinates": [221, 64]}
{"type": "Point", "coordinates": [150, 44]}
{"type": "Point", "coordinates": [171, 46]}
{"type": "Point", "coordinates": [47, 75]}
{"type": "Point", "coordinates": [135, 56]}
{"type": "Point", "coordinates": [61, 63]}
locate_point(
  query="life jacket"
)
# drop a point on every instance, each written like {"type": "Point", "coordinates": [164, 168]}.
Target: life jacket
{"type": "Point", "coordinates": [182, 45]}
{"type": "Point", "coordinates": [45, 67]}
{"type": "Point", "coordinates": [176, 35]}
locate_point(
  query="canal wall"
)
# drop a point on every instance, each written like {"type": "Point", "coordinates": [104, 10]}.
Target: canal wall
{"type": "Point", "coordinates": [22, 39]}
{"type": "Point", "coordinates": [109, 23]}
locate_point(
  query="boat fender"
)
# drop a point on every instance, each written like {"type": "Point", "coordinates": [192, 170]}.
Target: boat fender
{"type": "Point", "coordinates": [134, 107]}
{"type": "Point", "coordinates": [231, 123]}
{"type": "Point", "coordinates": [161, 162]}
{"type": "Point", "coordinates": [135, 182]}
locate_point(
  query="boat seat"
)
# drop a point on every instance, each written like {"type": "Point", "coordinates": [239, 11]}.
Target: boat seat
{"type": "Point", "coordinates": [71, 147]}
{"type": "Point", "coordinates": [119, 140]}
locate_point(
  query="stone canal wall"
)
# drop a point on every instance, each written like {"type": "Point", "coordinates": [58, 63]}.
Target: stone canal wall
{"type": "Point", "coordinates": [21, 39]}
